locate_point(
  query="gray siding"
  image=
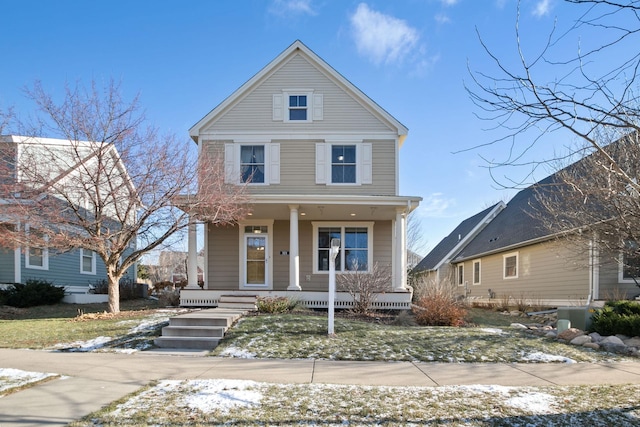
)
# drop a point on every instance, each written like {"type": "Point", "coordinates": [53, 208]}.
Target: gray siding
{"type": "Point", "coordinates": [342, 113]}
{"type": "Point", "coordinates": [7, 266]}
{"type": "Point", "coordinates": [223, 258]}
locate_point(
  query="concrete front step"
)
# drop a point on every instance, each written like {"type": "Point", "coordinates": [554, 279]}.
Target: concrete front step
{"type": "Point", "coordinates": [196, 343]}
{"type": "Point", "coordinates": [198, 329]}
{"type": "Point", "coordinates": [238, 305]}
{"type": "Point", "coordinates": [193, 331]}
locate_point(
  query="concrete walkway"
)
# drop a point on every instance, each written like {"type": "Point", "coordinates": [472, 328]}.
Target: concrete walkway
{"type": "Point", "coordinates": [92, 380]}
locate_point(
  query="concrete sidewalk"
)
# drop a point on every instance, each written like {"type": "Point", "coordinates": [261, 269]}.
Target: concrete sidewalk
{"type": "Point", "coordinates": [93, 380]}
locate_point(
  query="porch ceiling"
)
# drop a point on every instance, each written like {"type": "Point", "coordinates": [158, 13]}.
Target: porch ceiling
{"type": "Point", "coordinates": [352, 209]}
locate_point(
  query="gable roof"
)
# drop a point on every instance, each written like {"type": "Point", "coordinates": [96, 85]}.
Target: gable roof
{"type": "Point", "coordinates": [299, 48]}
{"type": "Point", "coordinates": [448, 247]}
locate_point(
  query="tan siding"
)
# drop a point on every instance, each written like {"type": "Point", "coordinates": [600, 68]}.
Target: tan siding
{"type": "Point", "coordinates": [297, 170]}
{"type": "Point", "coordinates": [280, 263]}
{"type": "Point", "coordinates": [223, 258]}
{"type": "Point", "coordinates": [544, 272]}
{"type": "Point", "coordinates": [341, 112]}
{"type": "Point", "coordinates": [610, 287]}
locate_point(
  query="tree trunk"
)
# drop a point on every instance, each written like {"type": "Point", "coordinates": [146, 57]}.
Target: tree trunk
{"type": "Point", "coordinates": [114, 290]}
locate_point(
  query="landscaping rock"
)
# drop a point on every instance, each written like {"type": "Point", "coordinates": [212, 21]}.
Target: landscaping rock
{"type": "Point", "coordinates": [580, 340]}
{"type": "Point", "coordinates": [611, 340]}
{"type": "Point", "coordinates": [570, 334]}
{"type": "Point", "coordinates": [632, 342]}
{"type": "Point", "coordinates": [595, 337]}
{"type": "Point", "coordinates": [591, 345]}
{"type": "Point", "coordinates": [518, 326]}
{"type": "Point", "coordinates": [551, 334]}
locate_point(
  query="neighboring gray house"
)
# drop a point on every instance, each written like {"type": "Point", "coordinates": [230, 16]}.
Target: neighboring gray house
{"type": "Point", "coordinates": [76, 269]}
{"type": "Point", "coordinates": [320, 160]}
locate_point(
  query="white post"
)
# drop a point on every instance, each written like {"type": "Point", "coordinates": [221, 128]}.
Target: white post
{"type": "Point", "coordinates": [192, 257]}
{"type": "Point", "coordinates": [294, 256]}
{"type": "Point", "coordinates": [335, 247]}
{"type": "Point", "coordinates": [401, 251]}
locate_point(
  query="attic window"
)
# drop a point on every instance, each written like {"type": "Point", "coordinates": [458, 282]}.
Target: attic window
{"type": "Point", "coordinates": [297, 107]}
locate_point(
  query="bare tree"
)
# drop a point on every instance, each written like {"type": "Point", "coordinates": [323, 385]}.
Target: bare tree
{"type": "Point", "coordinates": [113, 187]}
{"type": "Point", "coordinates": [364, 287]}
{"type": "Point", "coordinates": [589, 93]}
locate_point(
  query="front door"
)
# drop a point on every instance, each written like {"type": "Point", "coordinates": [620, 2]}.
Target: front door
{"type": "Point", "coordinates": [255, 260]}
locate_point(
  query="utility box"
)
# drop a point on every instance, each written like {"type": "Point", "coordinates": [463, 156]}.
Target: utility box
{"type": "Point", "coordinates": [580, 317]}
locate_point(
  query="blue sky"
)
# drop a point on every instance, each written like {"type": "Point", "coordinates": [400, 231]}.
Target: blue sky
{"type": "Point", "coordinates": [185, 57]}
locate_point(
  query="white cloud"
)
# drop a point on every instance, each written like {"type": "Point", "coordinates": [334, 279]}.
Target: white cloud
{"type": "Point", "coordinates": [441, 18]}
{"type": "Point", "coordinates": [435, 205]}
{"type": "Point", "coordinates": [382, 38]}
{"type": "Point", "coordinates": [449, 2]}
{"type": "Point", "coordinates": [292, 7]}
{"type": "Point", "coordinates": [542, 8]}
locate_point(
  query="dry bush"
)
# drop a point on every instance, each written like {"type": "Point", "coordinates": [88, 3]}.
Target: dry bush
{"type": "Point", "coordinates": [504, 303]}
{"type": "Point", "coordinates": [364, 287]}
{"type": "Point", "coordinates": [440, 306]}
{"type": "Point", "coordinates": [169, 298]}
{"type": "Point", "coordinates": [522, 302]}
{"type": "Point", "coordinates": [615, 294]}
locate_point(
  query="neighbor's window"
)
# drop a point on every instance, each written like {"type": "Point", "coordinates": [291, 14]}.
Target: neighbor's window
{"type": "Point", "coordinates": [343, 164]}
{"type": "Point", "coordinates": [630, 263]}
{"type": "Point", "coordinates": [37, 257]}
{"type": "Point", "coordinates": [510, 262]}
{"type": "Point", "coordinates": [87, 261]}
{"type": "Point", "coordinates": [252, 163]}
{"type": "Point", "coordinates": [460, 274]}
{"type": "Point", "coordinates": [355, 246]}
{"type": "Point", "coordinates": [298, 107]}
{"type": "Point", "coordinates": [476, 272]}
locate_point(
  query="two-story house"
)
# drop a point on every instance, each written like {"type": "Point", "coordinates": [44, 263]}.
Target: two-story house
{"type": "Point", "coordinates": [320, 160]}
{"type": "Point", "coordinates": [40, 166]}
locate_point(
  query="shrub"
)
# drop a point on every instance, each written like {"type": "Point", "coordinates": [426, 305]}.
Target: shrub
{"type": "Point", "coordinates": [32, 293]}
{"type": "Point", "coordinates": [275, 305]}
{"type": "Point", "coordinates": [440, 306]}
{"type": "Point", "coordinates": [169, 298]}
{"type": "Point", "coordinates": [617, 317]}
{"type": "Point", "coordinates": [128, 288]}
{"type": "Point", "coordinates": [364, 287]}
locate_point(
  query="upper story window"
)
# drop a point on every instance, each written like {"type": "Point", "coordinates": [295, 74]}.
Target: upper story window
{"type": "Point", "coordinates": [252, 163]}
{"type": "Point", "coordinates": [343, 164]}
{"type": "Point", "coordinates": [87, 261]}
{"type": "Point", "coordinates": [298, 107]}
{"type": "Point", "coordinates": [510, 266]}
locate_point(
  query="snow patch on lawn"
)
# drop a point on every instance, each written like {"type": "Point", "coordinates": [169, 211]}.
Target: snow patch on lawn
{"type": "Point", "coordinates": [13, 378]}
{"type": "Point", "coordinates": [534, 402]}
{"type": "Point", "coordinates": [237, 352]}
{"type": "Point", "coordinates": [492, 330]}
{"type": "Point", "coordinates": [540, 357]}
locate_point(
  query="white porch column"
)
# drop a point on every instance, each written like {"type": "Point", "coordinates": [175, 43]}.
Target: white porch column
{"type": "Point", "coordinates": [401, 251]}
{"type": "Point", "coordinates": [192, 257]}
{"type": "Point", "coordinates": [294, 257]}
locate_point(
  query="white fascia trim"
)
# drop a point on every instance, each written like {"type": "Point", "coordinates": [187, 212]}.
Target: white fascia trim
{"type": "Point", "coordinates": [255, 136]}
{"type": "Point", "coordinates": [471, 235]}
{"type": "Point", "coordinates": [398, 201]}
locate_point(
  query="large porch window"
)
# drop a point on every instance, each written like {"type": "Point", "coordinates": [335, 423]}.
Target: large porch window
{"type": "Point", "coordinates": [356, 244]}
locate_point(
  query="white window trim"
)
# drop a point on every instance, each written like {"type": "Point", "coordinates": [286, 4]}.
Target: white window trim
{"type": "Point", "coordinates": [342, 225]}
{"type": "Point", "coordinates": [93, 262]}
{"type": "Point", "coordinates": [297, 92]}
{"type": "Point", "coordinates": [473, 272]}
{"type": "Point", "coordinates": [460, 277]}
{"type": "Point", "coordinates": [621, 278]}
{"type": "Point", "coordinates": [45, 256]}
{"type": "Point", "coordinates": [269, 255]}
{"type": "Point", "coordinates": [271, 163]}
{"type": "Point", "coordinates": [364, 162]}
{"type": "Point", "coordinates": [504, 265]}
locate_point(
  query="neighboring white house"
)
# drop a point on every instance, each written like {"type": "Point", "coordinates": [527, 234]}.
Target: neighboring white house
{"type": "Point", "coordinates": [321, 160]}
